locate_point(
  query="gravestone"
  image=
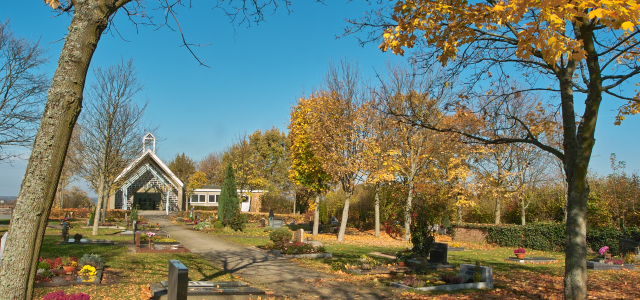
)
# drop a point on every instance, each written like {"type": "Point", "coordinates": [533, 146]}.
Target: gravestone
{"type": "Point", "coordinates": [271, 216]}
{"type": "Point", "coordinates": [65, 231]}
{"type": "Point", "coordinates": [198, 216]}
{"type": "Point", "coordinates": [438, 253]}
{"type": "Point", "coordinates": [126, 220]}
{"type": "Point", "coordinates": [134, 228]}
{"type": "Point", "coordinates": [486, 273]}
{"type": "Point", "coordinates": [263, 222]}
{"type": "Point", "coordinates": [298, 236]}
{"type": "Point", "coordinates": [178, 281]}
{"type": "Point", "coordinates": [275, 224]}
{"type": "Point", "coordinates": [3, 242]}
{"type": "Point", "coordinates": [136, 238]}
{"type": "Point", "coordinates": [628, 246]}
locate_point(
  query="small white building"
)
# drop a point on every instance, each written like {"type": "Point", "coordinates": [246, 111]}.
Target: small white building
{"type": "Point", "coordinates": [208, 196]}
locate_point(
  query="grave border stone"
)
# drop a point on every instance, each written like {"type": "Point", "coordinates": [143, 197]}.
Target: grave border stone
{"type": "Point", "coordinates": [466, 270]}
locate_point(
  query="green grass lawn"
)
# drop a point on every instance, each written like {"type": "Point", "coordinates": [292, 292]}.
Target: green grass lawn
{"type": "Point", "coordinates": [128, 273]}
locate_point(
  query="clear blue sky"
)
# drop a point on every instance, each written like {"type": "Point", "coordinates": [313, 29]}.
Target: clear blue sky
{"type": "Point", "coordinates": [256, 73]}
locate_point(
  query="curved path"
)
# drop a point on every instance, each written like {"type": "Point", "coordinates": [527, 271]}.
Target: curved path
{"type": "Point", "coordinates": [283, 278]}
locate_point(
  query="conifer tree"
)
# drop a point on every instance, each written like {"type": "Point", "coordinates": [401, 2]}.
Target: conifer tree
{"type": "Point", "coordinates": [228, 203]}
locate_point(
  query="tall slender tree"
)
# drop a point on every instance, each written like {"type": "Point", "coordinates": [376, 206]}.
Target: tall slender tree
{"type": "Point", "coordinates": [228, 203]}
{"type": "Point", "coordinates": [110, 130]}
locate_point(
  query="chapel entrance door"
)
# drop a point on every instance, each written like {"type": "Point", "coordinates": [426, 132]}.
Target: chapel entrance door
{"type": "Point", "coordinates": [147, 201]}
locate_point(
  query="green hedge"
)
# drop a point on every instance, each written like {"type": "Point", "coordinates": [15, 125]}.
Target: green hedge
{"type": "Point", "coordinates": [551, 236]}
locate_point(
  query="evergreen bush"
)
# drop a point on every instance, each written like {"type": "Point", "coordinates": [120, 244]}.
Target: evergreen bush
{"type": "Point", "coordinates": [280, 235]}
{"type": "Point", "coordinates": [422, 237]}
{"type": "Point", "coordinates": [218, 225]}
{"type": "Point", "coordinates": [228, 202]}
{"type": "Point", "coordinates": [239, 221]}
{"type": "Point", "coordinates": [134, 214]}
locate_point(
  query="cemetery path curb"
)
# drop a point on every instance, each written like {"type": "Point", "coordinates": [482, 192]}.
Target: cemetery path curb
{"type": "Point", "coordinates": [280, 276]}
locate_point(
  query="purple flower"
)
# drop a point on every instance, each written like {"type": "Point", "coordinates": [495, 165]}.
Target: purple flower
{"type": "Point", "coordinates": [603, 250]}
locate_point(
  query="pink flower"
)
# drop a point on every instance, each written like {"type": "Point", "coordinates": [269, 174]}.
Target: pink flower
{"type": "Point", "coordinates": [603, 250]}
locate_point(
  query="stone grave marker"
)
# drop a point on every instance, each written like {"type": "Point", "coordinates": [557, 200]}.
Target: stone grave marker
{"type": "Point", "coordinates": [438, 253]}
{"type": "Point", "coordinates": [263, 222]}
{"type": "Point", "coordinates": [126, 220]}
{"type": "Point", "coordinates": [178, 281]}
{"type": "Point", "coordinates": [65, 231]}
{"type": "Point", "coordinates": [298, 236]}
{"type": "Point", "coordinates": [628, 246]}
{"type": "Point", "coordinates": [486, 273]}
{"type": "Point", "coordinates": [136, 238]}
{"type": "Point", "coordinates": [3, 242]}
{"type": "Point", "coordinates": [275, 224]}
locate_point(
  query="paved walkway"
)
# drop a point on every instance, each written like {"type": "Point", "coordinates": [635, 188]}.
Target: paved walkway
{"type": "Point", "coordinates": [284, 278]}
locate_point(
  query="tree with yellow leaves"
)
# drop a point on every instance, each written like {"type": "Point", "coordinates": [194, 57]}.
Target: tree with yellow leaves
{"type": "Point", "coordinates": [582, 47]}
{"type": "Point", "coordinates": [306, 168]}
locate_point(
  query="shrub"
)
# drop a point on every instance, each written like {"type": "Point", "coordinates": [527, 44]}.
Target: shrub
{"type": "Point", "coordinates": [280, 235]}
{"type": "Point", "coordinates": [92, 216]}
{"type": "Point", "coordinates": [94, 260]}
{"type": "Point", "coordinates": [218, 225]}
{"type": "Point", "coordinates": [60, 295]}
{"type": "Point", "coordinates": [134, 214]}
{"type": "Point", "coordinates": [179, 219]}
{"type": "Point", "coordinates": [268, 229]}
{"type": "Point", "coordinates": [422, 237]}
{"type": "Point", "coordinates": [414, 282]}
{"type": "Point", "coordinates": [294, 248]}
{"type": "Point", "coordinates": [239, 221]}
{"type": "Point", "coordinates": [44, 265]}
{"type": "Point", "coordinates": [477, 277]}
{"type": "Point", "coordinates": [451, 278]}
{"type": "Point", "coordinates": [202, 225]}
{"type": "Point", "coordinates": [228, 202]}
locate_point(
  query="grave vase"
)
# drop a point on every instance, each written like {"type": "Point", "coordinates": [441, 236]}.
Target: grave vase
{"type": "Point", "coordinates": [69, 269]}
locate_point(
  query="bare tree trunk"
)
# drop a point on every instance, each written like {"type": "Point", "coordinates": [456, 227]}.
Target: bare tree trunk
{"type": "Point", "coordinates": [377, 210]}
{"type": "Point", "coordinates": [345, 216]}
{"type": "Point", "coordinates": [38, 189]}
{"type": "Point", "coordinates": [523, 208]}
{"type": "Point", "coordinates": [96, 218]}
{"type": "Point", "coordinates": [105, 197]}
{"type": "Point", "coordinates": [316, 215]}
{"type": "Point", "coordinates": [498, 209]}
{"type": "Point", "coordinates": [407, 213]}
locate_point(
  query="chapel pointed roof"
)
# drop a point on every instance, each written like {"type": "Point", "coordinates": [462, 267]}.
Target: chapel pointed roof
{"type": "Point", "coordinates": [140, 160]}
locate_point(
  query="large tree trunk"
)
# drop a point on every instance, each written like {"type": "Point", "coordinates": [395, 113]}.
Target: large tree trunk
{"type": "Point", "coordinates": [377, 210]}
{"type": "Point", "coordinates": [407, 213]}
{"type": "Point", "coordinates": [578, 146]}
{"type": "Point", "coordinates": [38, 189]}
{"type": "Point", "coordinates": [345, 216]}
{"type": "Point", "coordinates": [316, 215]}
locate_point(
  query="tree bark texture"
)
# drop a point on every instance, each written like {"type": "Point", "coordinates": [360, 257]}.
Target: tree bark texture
{"type": "Point", "coordinates": [39, 185]}
{"type": "Point", "coordinates": [345, 216]}
{"type": "Point", "coordinates": [407, 212]}
{"type": "Point", "coordinates": [377, 211]}
{"type": "Point", "coordinates": [96, 219]}
{"type": "Point", "coordinates": [316, 216]}
{"type": "Point", "coordinates": [523, 216]}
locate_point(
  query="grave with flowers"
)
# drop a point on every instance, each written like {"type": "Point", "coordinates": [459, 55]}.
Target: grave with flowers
{"type": "Point", "coordinates": [606, 262]}
{"type": "Point", "coordinates": [157, 242]}
{"type": "Point", "coordinates": [282, 245]}
{"type": "Point", "coordinates": [63, 271]}
{"type": "Point", "coordinates": [520, 257]}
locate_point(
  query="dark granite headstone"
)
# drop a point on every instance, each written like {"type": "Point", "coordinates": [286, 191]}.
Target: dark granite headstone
{"type": "Point", "coordinates": [438, 253]}
{"type": "Point", "coordinates": [628, 246]}
{"type": "Point", "coordinates": [178, 281]}
{"type": "Point", "coordinates": [271, 216]}
{"type": "Point", "coordinates": [134, 228]}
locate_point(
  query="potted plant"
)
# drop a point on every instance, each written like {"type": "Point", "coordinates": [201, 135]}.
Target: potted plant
{"type": "Point", "coordinates": [519, 252]}
{"type": "Point", "coordinates": [69, 264]}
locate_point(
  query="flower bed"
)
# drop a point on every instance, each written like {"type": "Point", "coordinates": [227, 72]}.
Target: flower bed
{"type": "Point", "coordinates": [64, 270]}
